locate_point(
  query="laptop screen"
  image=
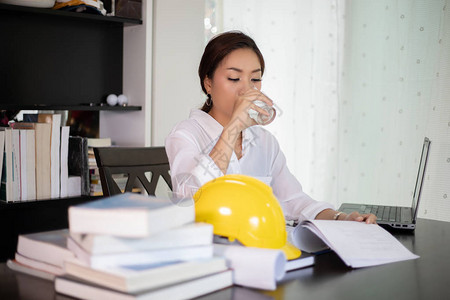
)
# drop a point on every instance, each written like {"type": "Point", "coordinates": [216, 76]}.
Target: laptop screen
{"type": "Point", "coordinates": [420, 176]}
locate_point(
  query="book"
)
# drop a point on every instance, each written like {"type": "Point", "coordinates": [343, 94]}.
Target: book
{"type": "Point", "coordinates": [16, 266]}
{"type": "Point", "coordinates": [356, 243]}
{"type": "Point", "coordinates": [139, 257]}
{"type": "Point", "coordinates": [2, 150]}
{"type": "Point", "coordinates": [39, 265]}
{"type": "Point", "coordinates": [27, 164]}
{"type": "Point", "coordinates": [64, 162]}
{"type": "Point", "coordinates": [55, 121]}
{"type": "Point", "coordinates": [10, 189]}
{"type": "Point", "coordinates": [305, 260]}
{"type": "Point", "coordinates": [6, 185]}
{"type": "Point", "coordinates": [130, 215]}
{"type": "Point", "coordinates": [99, 142]}
{"type": "Point", "coordinates": [185, 290]}
{"type": "Point", "coordinates": [31, 164]}
{"type": "Point", "coordinates": [136, 278]}
{"type": "Point", "coordinates": [74, 186]}
{"type": "Point", "coordinates": [78, 163]}
{"type": "Point", "coordinates": [48, 246]}
{"type": "Point", "coordinates": [194, 234]}
{"type": "Point", "coordinates": [42, 157]}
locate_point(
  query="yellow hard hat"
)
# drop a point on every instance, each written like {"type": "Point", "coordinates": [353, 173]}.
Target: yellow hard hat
{"type": "Point", "coordinates": [244, 208]}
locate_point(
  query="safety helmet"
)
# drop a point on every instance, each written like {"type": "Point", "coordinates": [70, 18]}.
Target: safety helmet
{"type": "Point", "coordinates": [244, 208]}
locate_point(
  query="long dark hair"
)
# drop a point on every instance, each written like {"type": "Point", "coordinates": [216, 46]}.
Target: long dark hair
{"type": "Point", "coordinates": [217, 49]}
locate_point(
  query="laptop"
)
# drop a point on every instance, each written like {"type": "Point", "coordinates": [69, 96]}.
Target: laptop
{"type": "Point", "coordinates": [396, 216]}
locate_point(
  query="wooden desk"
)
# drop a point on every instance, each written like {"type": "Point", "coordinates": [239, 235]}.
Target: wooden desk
{"type": "Point", "coordinates": [425, 278]}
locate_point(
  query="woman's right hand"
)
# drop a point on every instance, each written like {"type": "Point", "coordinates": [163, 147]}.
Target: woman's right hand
{"type": "Point", "coordinates": [240, 118]}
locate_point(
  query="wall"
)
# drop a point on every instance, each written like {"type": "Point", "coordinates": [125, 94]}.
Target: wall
{"type": "Point", "coordinates": [134, 128]}
{"type": "Point", "coordinates": [178, 44]}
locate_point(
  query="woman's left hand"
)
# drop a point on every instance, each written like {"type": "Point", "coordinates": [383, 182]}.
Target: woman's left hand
{"type": "Point", "coordinates": [356, 216]}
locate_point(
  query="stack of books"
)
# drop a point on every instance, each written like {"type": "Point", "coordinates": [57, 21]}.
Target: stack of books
{"type": "Point", "coordinates": [129, 246]}
{"type": "Point", "coordinates": [39, 160]}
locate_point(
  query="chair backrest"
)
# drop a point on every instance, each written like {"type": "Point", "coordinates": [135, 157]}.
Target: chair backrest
{"type": "Point", "coordinates": [134, 162]}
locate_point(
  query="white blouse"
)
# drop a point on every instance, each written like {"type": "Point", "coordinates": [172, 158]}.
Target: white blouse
{"type": "Point", "coordinates": [188, 147]}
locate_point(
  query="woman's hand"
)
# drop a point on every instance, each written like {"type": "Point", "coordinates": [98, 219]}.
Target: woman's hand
{"type": "Point", "coordinates": [329, 214]}
{"type": "Point", "coordinates": [356, 216]}
{"type": "Point", "coordinates": [240, 116]}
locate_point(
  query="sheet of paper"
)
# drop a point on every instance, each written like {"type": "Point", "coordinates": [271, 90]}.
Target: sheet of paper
{"type": "Point", "coordinates": [253, 267]}
{"type": "Point", "coordinates": [357, 244]}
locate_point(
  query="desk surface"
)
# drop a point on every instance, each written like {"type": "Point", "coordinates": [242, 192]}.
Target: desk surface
{"type": "Point", "coordinates": [425, 278]}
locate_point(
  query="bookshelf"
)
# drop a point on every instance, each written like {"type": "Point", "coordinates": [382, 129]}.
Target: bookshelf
{"type": "Point", "coordinates": [56, 60]}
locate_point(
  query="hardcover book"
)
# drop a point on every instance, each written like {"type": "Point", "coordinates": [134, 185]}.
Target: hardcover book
{"type": "Point", "coordinates": [78, 161]}
{"type": "Point", "coordinates": [130, 215]}
{"type": "Point", "coordinates": [137, 278]}
{"type": "Point", "coordinates": [185, 290]}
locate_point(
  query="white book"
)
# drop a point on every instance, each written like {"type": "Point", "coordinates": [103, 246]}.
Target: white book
{"type": "Point", "coordinates": [305, 260]}
{"type": "Point", "coordinates": [356, 243]}
{"type": "Point", "coordinates": [23, 165]}
{"type": "Point", "coordinates": [39, 265]}
{"type": "Point", "coordinates": [31, 164]}
{"type": "Point", "coordinates": [27, 165]}
{"type": "Point", "coordinates": [64, 171]}
{"type": "Point", "coordinates": [136, 278]}
{"type": "Point", "coordinates": [185, 290]}
{"type": "Point", "coordinates": [7, 177]}
{"type": "Point", "coordinates": [2, 151]}
{"type": "Point", "coordinates": [15, 143]}
{"type": "Point", "coordinates": [16, 266]}
{"type": "Point", "coordinates": [194, 234]}
{"type": "Point", "coordinates": [130, 215]}
{"type": "Point", "coordinates": [49, 246]}
{"type": "Point", "coordinates": [55, 121]}
{"type": "Point", "coordinates": [74, 186]}
{"type": "Point", "coordinates": [139, 257]}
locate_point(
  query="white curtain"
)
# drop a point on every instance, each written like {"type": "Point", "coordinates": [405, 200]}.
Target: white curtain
{"type": "Point", "coordinates": [395, 91]}
{"type": "Point", "coordinates": [358, 84]}
{"type": "Point", "coordinates": [300, 41]}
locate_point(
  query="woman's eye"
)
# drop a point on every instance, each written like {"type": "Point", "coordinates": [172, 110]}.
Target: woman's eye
{"type": "Point", "coordinates": [233, 79]}
{"type": "Point", "coordinates": [256, 79]}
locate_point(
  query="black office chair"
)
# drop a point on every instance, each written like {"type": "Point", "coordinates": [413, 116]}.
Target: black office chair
{"type": "Point", "coordinates": [134, 162]}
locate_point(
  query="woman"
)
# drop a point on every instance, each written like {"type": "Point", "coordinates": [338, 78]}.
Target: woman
{"type": "Point", "coordinates": [221, 137]}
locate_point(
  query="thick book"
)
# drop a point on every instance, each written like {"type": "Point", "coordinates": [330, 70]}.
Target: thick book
{"type": "Point", "coordinates": [39, 265]}
{"type": "Point", "coordinates": [10, 186]}
{"type": "Point", "coordinates": [49, 246]}
{"type": "Point", "coordinates": [78, 162]}
{"type": "Point", "coordinates": [17, 266]}
{"type": "Point", "coordinates": [305, 260]}
{"type": "Point", "coordinates": [356, 243]}
{"type": "Point", "coordinates": [194, 234]}
{"type": "Point", "coordinates": [64, 162]}
{"type": "Point", "coordinates": [185, 290]}
{"type": "Point", "coordinates": [139, 257]}
{"type": "Point", "coordinates": [27, 164]}
{"type": "Point", "coordinates": [2, 151]}
{"type": "Point", "coordinates": [140, 277]}
{"type": "Point", "coordinates": [55, 121]}
{"type": "Point", "coordinates": [130, 215]}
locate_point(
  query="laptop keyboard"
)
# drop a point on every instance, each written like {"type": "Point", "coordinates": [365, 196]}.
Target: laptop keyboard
{"type": "Point", "coordinates": [388, 213]}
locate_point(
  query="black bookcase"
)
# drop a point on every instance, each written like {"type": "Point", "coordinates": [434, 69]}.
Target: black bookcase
{"type": "Point", "coordinates": [55, 60]}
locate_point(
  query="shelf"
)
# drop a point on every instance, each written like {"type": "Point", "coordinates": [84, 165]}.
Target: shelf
{"type": "Point", "coordinates": [33, 216]}
{"type": "Point", "coordinates": [32, 204]}
{"type": "Point", "coordinates": [66, 14]}
{"type": "Point", "coordinates": [69, 107]}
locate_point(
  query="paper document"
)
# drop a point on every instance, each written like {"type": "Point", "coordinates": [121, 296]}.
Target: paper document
{"type": "Point", "coordinates": [357, 244]}
{"type": "Point", "coordinates": [253, 267]}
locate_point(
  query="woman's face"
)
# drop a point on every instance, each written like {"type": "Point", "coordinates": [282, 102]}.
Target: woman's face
{"type": "Point", "coordinates": [238, 72]}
